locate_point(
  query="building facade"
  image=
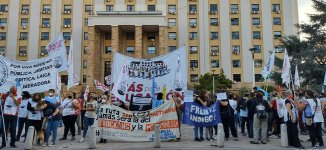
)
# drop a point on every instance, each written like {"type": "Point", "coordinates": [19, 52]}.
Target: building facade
{"type": "Point", "coordinates": [216, 33]}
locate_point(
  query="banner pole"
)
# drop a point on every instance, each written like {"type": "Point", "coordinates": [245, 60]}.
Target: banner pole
{"type": "Point", "coordinates": [3, 123]}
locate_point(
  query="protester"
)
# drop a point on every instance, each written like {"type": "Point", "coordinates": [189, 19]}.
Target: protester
{"type": "Point", "coordinates": [291, 118]}
{"type": "Point", "coordinates": [78, 113]}
{"type": "Point", "coordinates": [22, 114]}
{"type": "Point", "coordinates": [242, 108]}
{"type": "Point", "coordinates": [104, 101]}
{"type": "Point", "coordinates": [251, 112]}
{"type": "Point", "coordinates": [227, 116]}
{"type": "Point", "coordinates": [278, 109]}
{"type": "Point", "coordinates": [313, 118]}
{"type": "Point", "coordinates": [10, 112]}
{"type": "Point", "coordinates": [206, 96]}
{"type": "Point", "coordinates": [260, 119]}
{"type": "Point", "coordinates": [90, 107]}
{"type": "Point", "coordinates": [301, 98]}
{"type": "Point", "coordinates": [52, 98]}
{"type": "Point", "coordinates": [201, 102]}
{"type": "Point", "coordinates": [157, 101]}
{"type": "Point", "coordinates": [178, 103]}
{"type": "Point", "coordinates": [69, 117]}
{"type": "Point", "coordinates": [233, 103]}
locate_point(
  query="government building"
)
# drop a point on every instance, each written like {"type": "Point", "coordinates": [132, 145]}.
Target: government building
{"type": "Point", "coordinates": [216, 33]}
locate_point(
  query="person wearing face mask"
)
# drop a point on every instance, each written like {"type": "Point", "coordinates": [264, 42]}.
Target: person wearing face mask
{"type": "Point", "coordinates": [69, 117]}
{"type": "Point", "coordinates": [10, 112]}
{"type": "Point", "coordinates": [90, 107]}
{"type": "Point", "coordinates": [104, 101]}
{"type": "Point", "coordinates": [22, 114]}
{"type": "Point", "coordinates": [52, 98]}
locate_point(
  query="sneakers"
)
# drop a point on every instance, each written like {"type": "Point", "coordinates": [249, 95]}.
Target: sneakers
{"type": "Point", "coordinates": [63, 138]}
{"type": "Point", "coordinates": [81, 140]}
{"type": "Point", "coordinates": [197, 139]}
{"type": "Point", "coordinates": [201, 138]}
{"type": "Point", "coordinates": [46, 145]}
{"type": "Point", "coordinates": [254, 142]}
{"type": "Point", "coordinates": [236, 139]}
{"type": "Point", "coordinates": [13, 146]}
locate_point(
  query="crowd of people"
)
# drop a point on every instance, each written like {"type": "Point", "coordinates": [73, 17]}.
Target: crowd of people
{"type": "Point", "coordinates": [256, 115]}
{"type": "Point", "coordinates": [259, 116]}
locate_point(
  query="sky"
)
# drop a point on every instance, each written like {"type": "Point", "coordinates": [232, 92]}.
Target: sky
{"type": "Point", "coordinates": [305, 6]}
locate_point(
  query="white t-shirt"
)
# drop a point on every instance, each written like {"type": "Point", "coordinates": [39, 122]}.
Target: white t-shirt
{"type": "Point", "coordinates": [280, 107]}
{"type": "Point", "coordinates": [90, 114]}
{"type": "Point", "coordinates": [316, 111]}
{"type": "Point", "coordinates": [67, 107]}
{"type": "Point", "coordinates": [233, 104]}
{"type": "Point", "coordinates": [34, 115]}
{"type": "Point", "coordinates": [22, 111]}
{"type": "Point", "coordinates": [10, 108]}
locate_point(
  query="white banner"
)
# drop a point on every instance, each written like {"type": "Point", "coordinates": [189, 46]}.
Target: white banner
{"type": "Point", "coordinates": [71, 76]}
{"type": "Point", "coordinates": [33, 76]}
{"type": "Point", "coordinates": [100, 86]}
{"type": "Point", "coordinates": [58, 49]}
{"type": "Point", "coordinates": [269, 66]}
{"type": "Point", "coordinates": [117, 124]}
{"type": "Point", "coordinates": [286, 70]}
{"type": "Point", "coordinates": [134, 76]}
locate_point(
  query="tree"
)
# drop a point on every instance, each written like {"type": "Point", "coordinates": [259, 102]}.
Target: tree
{"type": "Point", "coordinates": [206, 82]}
{"type": "Point", "coordinates": [309, 53]}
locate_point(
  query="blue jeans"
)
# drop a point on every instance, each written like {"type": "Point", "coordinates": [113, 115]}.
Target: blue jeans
{"type": "Point", "coordinates": [87, 122]}
{"type": "Point", "coordinates": [236, 120]}
{"type": "Point", "coordinates": [251, 128]}
{"type": "Point", "coordinates": [201, 131]}
{"type": "Point", "coordinates": [52, 126]}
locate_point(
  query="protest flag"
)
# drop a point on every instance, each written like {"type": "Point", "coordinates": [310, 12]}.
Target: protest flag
{"type": "Point", "coordinates": [286, 70]}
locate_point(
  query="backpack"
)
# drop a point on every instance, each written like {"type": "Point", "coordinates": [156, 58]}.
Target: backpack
{"type": "Point", "coordinates": [261, 111]}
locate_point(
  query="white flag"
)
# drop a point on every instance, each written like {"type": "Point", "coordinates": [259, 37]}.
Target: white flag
{"type": "Point", "coordinates": [58, 49]}
{"type": "Point", "coordinates": [86, 93]}
{"type": "Point", "coordinates": [325, 79]}
{"type": "Point", "coordinates": [101, 86]}
{"type": "Point", "coordinates": [120, 86]}
{"type": "Point", "coordinates": [286, 70]}
{"type": "Point", "coordinates": [269, 66]}
{"type": "Point", "coordinates": [71, 76]}
{"type": "Point", "coordinates": [296, 77]}
{"type": "Point", "coordinates": [58, 87]}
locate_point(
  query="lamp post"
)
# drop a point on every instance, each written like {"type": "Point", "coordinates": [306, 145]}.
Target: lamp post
{"type": "Point", "coordinates": [213, 82]}
{"type": "Point", "coordinates": [252, 50]}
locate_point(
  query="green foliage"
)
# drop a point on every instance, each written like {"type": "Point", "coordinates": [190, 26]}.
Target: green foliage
{"type": "Point", "coordinates": [206, 82]}
{"type": "Point", "coordinates": [270, 88]}
{"type": "Point", "coordinates": [243, 90]}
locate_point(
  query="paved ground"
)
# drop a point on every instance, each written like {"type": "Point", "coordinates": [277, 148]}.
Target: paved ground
{"type": "Point", "coordinates": [187, 142]}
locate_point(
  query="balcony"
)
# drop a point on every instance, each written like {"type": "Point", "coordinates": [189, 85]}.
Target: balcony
{"type": "Point", "coordinates": [129, 13]}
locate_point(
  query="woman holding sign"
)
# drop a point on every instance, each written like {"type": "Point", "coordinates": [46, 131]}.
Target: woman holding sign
{"type": "Point", "coordinates": [201, 102]}
{"type": "Point", "coordinates": [69, 116]}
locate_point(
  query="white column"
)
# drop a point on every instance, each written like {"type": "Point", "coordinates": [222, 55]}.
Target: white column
{"type": "Point", "coordinates": [34, 29]}
{"type": "Point", "coordinates": [56, 17]}
{"type": "Point", "coordinates": [183, 23]}
{"type": "Point", "coordinates": [295, 16]}
{"type": "Point", "coordinates": [267, 24]}
{"type": "Point", "coordinates": [204, 37]}
{"type": "Point", "coordinates": [287, 13]}
{"type": "Point", "coordinates": [77, 35]}
{"type": "Point", "coordinates": [98, 5]}
{"type": "Point", "coordinates": [246, 41]}
{"type": "Point", "coordinates": [12, 32]}
{"type": "Point", "coordinates": [225, 38]}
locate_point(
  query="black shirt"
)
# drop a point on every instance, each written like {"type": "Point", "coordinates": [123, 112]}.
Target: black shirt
{"type": "Point", "coordinates": [226, 111]}
{"type": "Point", "coordinates": [49, 110]}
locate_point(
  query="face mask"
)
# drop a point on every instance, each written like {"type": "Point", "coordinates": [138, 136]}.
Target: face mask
{"type": "Point", "coordinates": [50, 94]}
{"type": "Point", "coordinates": [103, 100]}
{"type": "Point", "coordinates": [70, 97]}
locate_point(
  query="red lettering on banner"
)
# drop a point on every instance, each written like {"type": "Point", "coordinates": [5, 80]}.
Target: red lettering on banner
{"type": "Point", "coordinates": [114, 124]}
{"type": "Point", "coordinates": [166, 124]}
{"type": "Point", "coordinates": [131, 88]}
{"type": "Point", "coordinates": [162, 112]}
{"type": "Point", "coordinates": [139, 88]}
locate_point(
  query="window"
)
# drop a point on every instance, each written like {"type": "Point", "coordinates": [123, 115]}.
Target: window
{"type": "Point", "coordinates": [2, 49]}
{"type": "Point", "coordinates": [64, 79]}
{"type": "Point", "coordinates": [43, 51]}
{"type": "Point", "coordinates": [109, 7]}
{"type": "Point", "coordinates": [2, 35]}
{"type": "Point", "coordinates": [213, 7]}
{"type": "Point", "coordinates": [237, 77]}
{"type": "Point", "coordinates": [236, 49]}
{"type": "Point", "coordinates": [214, 22]}
{"type": "Point", "coordinates": [193, 22]}
{"type": "Point", "coordinates": [276, 7]}
{"type": "Point", "coordinates": [45, 36]}
{"type": "Point", "coordinates": [85, 64]}
{"type": "Point", "coordinates": [67, 22]}
{"type": "Point", "coordinates": [214, 35]}
{"type": "Point", "coordinates": [45, 21]}
{"type": "Point", "coordinates": [278, 49]}
{"type": "Point", "coordinates": [130, 7]}
{"type": "Point", "coordinates": [256, 35]}
{"type": "Point", "coordinates": [235, 35]}
{"type": "Point", "coordinates": [24, 21]}
{"type": "Point", "coordinates": [107, 69]}
{"type": "Point", "coordinates": [258, 63]}
{"type": "Point", "coordinates": [151, 7]}
{"type": "Point", "coordinates": [86, 22]}
{"type": "Point", "coordinates": [172, 48]}
{"type": "Point", "coordinates": [130, 49]}
{"type": "Point", "coordinates": [151, 36]}
{"type": "Point", "coordinates": [88, 8]}
{"type": "Point", "coordinates": [193, 8]}
{"type": "Point", "coordinates": [255, 7]}
{"type": "Point", "coordinates": [3, 21]}
{"type": "Point", "coordinates": [255, 21]}
{"type": "Point", "coordinates": [130, 35]}
{"type": "Point", "coordinates": [46, 8]}
{"type": "Point", "coordinates": [107, 35]}
{"type": "Point", "coordinates": [193, 49]}
{"type": "Point", "coordinates": [234, 8]}
{"type": "Point", "coordinates": [193, 63]}
{"type": "Point", "coordinates": [108, 49]}
{"type": "Point", "coordinates": [172, 8]}
{"type": "Point", "coordinates": [193, 35]}
{"type": "Point", "coordinates": [172, 22]}
{"type": "Point", "coordinates": [22, 50]}
{"type": "Point", "coordinates": [3, 8]}
{"type": "Point", "coordinates": [193, 78]}
{"type": "Point", "coordinates": [23, 35]}
{"type": "Point", "coordinates": [234, 21]}
{"type": "Point", "coordinates": [236, 64]}
{"type": "Point", "coordinates": [67, 8]}
{"type": "Point", "coordinates": [67, 48]}
{"type": "Point", "coordinates": [85, 35]}
{"type": "Point", "coordinates": [215, 64]}
{"type": "Point", "coordinates": [67, 35]}
{"type": "Point", "coordinates": [172, 36]}
{"type": "Point", "coordinates": [258, 78]}
{"type": "Point", "coordinates": [25, 8]}
{"type": "Point", "coordinates": [257, 48]}
{"type": "Point", "coordinates": [84, 78]}
{"type": "Point", "coordinates": [277, 34]}
{"type": "Point", "coordinates": [214, 50]}
{"type": "Point", "coordinates": [85, 49]}
{"type": "Point", "coordinates": [151, 50]}
{"type": "Point", "coordinates": [277, 21]}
